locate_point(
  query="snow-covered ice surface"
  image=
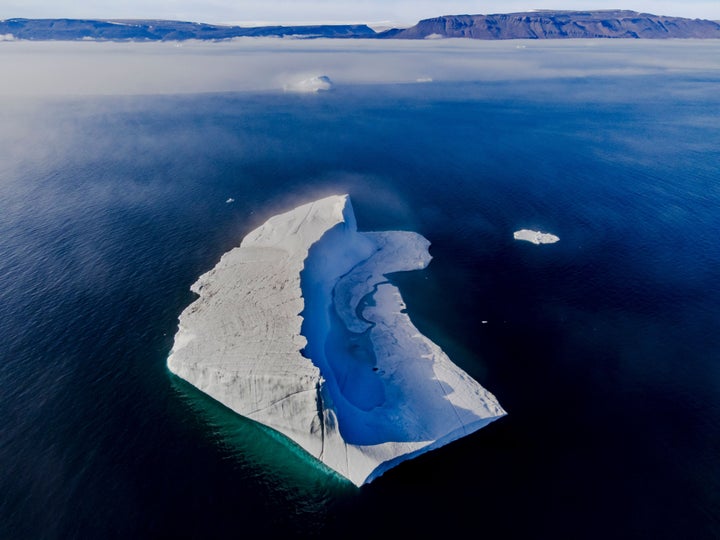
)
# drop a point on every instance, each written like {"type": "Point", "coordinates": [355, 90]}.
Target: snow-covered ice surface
{"type": "Point", "coordinates": [536, 237]}
{"type": "Point", "coordinates": [298, 329]}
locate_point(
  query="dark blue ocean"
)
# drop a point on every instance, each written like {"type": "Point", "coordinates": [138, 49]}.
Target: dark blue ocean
{"type": "Point", "coordinates": [604, 348]}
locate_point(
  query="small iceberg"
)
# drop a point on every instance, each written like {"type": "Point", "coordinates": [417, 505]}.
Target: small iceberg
{"type": "Point", "coordinates": [321, 83]}
{"type": "Point", "coordinates": [230, 200]}
{"type": "Point", "coordinates": [536, 237]}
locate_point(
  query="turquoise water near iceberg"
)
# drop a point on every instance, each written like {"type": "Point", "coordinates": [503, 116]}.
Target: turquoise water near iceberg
{"type": "Point", "coordinates": [604, 348]}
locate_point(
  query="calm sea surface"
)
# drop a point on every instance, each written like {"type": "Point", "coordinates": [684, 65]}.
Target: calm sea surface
{"type": "Point", "coordinates": [604, 348]}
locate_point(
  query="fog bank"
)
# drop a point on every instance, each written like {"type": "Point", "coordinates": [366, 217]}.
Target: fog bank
{"type": "Point", "coordinates": [269, 64]}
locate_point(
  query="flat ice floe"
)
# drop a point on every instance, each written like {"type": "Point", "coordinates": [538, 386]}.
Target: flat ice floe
{"type": "Point", "coordinates": [536, 237]}
{"type": "Point", "coordinates": [299, 329]}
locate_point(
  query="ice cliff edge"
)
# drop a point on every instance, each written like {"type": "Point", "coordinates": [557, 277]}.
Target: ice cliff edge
{"type": "Point", "coordinates": [298, 329]}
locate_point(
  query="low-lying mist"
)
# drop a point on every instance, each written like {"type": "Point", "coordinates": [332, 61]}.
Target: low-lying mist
{"type": "Point", "coordinates": [260, 64]}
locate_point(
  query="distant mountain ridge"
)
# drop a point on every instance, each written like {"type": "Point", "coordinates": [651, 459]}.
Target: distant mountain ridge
{"type": "Point", "coordinates": [559, 25]}
{"type": "Point", "coordinates": [160, 30]}
{"type": "Point", "coordinates": [527, 25]}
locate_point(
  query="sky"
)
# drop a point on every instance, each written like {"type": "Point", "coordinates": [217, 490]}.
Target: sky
{"type": "Point", "coordinates": [375, 12]}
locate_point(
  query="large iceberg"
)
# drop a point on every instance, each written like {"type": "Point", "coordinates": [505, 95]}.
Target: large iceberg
{"type": "Point", "coordinates": [299, 329]}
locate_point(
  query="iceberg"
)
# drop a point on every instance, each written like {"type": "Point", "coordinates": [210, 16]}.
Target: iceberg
{"type": "Point", "coordinates": [311, 85]}
{"type": "Point", "coordinates": [299, 329]}
{"type": "Point", "coordinates": [536, 237]}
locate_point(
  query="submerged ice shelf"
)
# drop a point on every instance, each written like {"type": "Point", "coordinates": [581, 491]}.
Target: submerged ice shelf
{"type": "Point", "coordinates": [299, 329]}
